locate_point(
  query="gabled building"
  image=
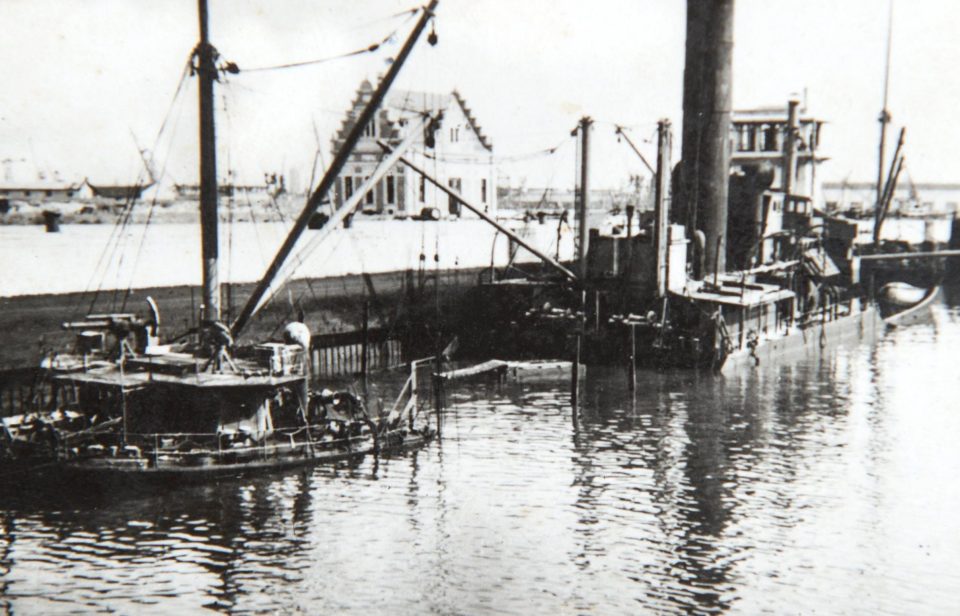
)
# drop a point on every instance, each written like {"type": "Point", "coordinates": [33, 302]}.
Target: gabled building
{"type": "Point", "coordinates": [461, 156]}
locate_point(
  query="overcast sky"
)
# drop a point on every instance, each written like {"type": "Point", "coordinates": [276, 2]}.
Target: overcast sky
{"type": "Point", "coordinates": [82, 77]}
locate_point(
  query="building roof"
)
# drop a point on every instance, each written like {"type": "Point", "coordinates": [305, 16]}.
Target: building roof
{"type": "Point", "coordinates": [770, 115]}
{"type": "Point", "coordinates": [60, 186]}
{"type": "Point", "coordinates": [416, 102]}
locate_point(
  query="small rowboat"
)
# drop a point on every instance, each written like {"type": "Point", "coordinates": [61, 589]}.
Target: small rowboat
{"type": "Point", "coordinates": [902, 303]}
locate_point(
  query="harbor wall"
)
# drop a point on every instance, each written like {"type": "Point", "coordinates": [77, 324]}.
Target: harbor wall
{"type": "Point", "coordinates": [30, 325]}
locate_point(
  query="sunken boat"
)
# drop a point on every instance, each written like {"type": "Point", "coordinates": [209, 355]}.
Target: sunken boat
{"type": "Point", "coordinates": [126, 406]}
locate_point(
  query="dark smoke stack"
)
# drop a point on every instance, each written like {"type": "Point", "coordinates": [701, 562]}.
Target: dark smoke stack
{"type": "Point", "coordinates": [707, 88]}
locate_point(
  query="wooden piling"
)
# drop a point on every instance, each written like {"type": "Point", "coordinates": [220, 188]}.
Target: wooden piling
{"type": "Point", "coordinates": [365, 344]}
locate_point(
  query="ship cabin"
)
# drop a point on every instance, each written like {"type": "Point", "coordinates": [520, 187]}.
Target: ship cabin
{"type": "Point", "coordinates": [170, 404]}
{"type": "Point", "coordinates": [741, 312]}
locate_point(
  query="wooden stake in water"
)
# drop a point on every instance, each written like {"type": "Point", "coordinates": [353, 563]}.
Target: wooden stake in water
{"type": "Point", "coordinates": [632, 378]}
{"type": "Point", "coordinates": [366, 344]}
{"type": "Point", "coordinates": [575, 371]}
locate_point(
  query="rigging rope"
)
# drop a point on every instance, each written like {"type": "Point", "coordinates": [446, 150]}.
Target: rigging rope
{"type": "Point", "coordinates": [115, 239]}
{"type": "Point", "coordinates": [153, 201]}
{"type": "Point", "coordinates": [356, 52]}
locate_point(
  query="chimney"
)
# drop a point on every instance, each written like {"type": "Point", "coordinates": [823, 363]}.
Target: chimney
{"type": "Point", "coordinates": [705, 149]}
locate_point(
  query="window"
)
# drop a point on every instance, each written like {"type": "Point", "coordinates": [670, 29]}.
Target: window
{"type": "Point", "coordinates": [483, 190]}
{"type": "Point", "coordinates": [347, 187]}
{"type": "Point", "coordinates": [454, 205]}
{"type": "Point", "coordinates": [369, 195]}
{"type": "Point", "coordinates": [454, 134]}
{"type": "Point", "coordinates": [768, 137]}
{"type": "Point", "coordinates": [747, 134]}
{"type": "Point", "coordinates": [391, 191]}
{"type": "Point", "coordinates": [370, 130]}
{"type": "Point", "coordinates": [423, 189]}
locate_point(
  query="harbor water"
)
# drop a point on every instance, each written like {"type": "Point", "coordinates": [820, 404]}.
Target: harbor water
{"type": "Point", "coordinates": [88, 257]}
{"type": "Point", "coordinates": [818, 486]}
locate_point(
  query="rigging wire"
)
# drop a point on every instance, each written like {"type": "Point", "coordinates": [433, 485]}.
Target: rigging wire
{"type": "Point", "coordinates": [541, 153]}
{"type": "Point", "coordinates": [115, 239]}
{"type": "Point", "coordinates": [233, 68]}
{"type": "Point", "coordinates": [276, 206]}
{"type": "Point", "coordinates": [153, 203]}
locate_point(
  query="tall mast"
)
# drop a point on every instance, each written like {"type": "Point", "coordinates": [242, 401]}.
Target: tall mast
{"type": "Point", "coordinates": [884, 118]}
{"type": "Point", "coordinates": [207, 72]}
{"type": "Point", "coordinates": [584, 202]}
{"type": "Point", "coordinates": [339, 161]}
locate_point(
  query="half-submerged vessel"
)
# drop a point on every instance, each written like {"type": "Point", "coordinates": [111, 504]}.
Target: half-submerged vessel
{"type": "Point", "coordinates": [732, 268]}
{"type": "Point", "coordinates": [123, 405]}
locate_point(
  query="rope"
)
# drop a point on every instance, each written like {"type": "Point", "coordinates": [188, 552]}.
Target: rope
{"type": "Point", "coordinates": [153, 201]}
{"type": "Point", "coordinates": [283, 220]}
{"type": "Point", "coordinates": [115, 238]}
{"type": "Point", "coordinates": [356, 52]}
{"type": "Point", "coordinates": [503, 159]}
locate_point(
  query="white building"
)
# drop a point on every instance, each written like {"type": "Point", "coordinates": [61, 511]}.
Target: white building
{"type": "Point", "coordinates": [461, 156]}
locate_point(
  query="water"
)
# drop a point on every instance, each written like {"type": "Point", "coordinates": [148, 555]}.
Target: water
{"type": "Point", "coordinates": [87, 257]}
{"type": "Point", "coordinates": [822, 486]}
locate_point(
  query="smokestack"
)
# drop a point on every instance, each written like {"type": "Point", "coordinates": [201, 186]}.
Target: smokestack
{"type": "Point", "coordinates": [705, 150]}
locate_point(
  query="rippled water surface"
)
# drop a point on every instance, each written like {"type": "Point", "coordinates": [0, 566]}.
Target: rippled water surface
{"type": "Point", "coordinates": [828, 485]}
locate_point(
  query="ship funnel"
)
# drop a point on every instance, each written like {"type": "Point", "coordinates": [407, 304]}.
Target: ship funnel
{"type": "Point", "coordinates": [707, 95]}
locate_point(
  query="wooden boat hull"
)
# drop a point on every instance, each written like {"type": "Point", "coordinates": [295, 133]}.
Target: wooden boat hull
{"type": "Point", "coordinates": [914, 313]}
{"type": "Point", "coordinates": [206, 466]}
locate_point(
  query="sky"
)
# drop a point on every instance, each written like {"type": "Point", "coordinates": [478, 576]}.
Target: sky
{"type": "Point", "coordinates": [88, 82]}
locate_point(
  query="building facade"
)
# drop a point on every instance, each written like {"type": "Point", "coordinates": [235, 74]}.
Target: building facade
{"type": "Point", "coordinates": [459, 155]}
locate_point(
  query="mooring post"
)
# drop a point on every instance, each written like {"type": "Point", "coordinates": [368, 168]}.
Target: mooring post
{"type": "Point", "coordinates": [365, 346]}
{"type": "Point", "coordinates": [575, 375]}
{"type": "Point", "coordinates": [632, 378]}
{"type": "Point", "coordinates": [575, 370]}
{"type": "Point", "coordinates": [438, 396]}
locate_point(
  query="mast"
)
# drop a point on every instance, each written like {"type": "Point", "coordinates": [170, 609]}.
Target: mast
{"type": "Point", "coordinates": [331, 175]}
{"type": "Point", "coordinates": [661, 237]}
{"type": "Point", "coordinates": [585, 124]}
{"type": "Point", "coordinates": [884, 118]}
{"type": "Point", "coordinates": [207, 73]}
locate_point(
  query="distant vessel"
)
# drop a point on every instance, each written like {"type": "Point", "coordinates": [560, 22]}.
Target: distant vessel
{"type": "Point", "coordinates": [119, 192]}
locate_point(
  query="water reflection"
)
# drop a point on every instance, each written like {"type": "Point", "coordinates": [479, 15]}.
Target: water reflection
{"type": "Point", "coordinates": [822, 485]}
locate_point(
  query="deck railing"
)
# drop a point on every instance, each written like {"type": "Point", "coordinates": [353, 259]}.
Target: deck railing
{"type": "Point", "coordinates": [342, 354]}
